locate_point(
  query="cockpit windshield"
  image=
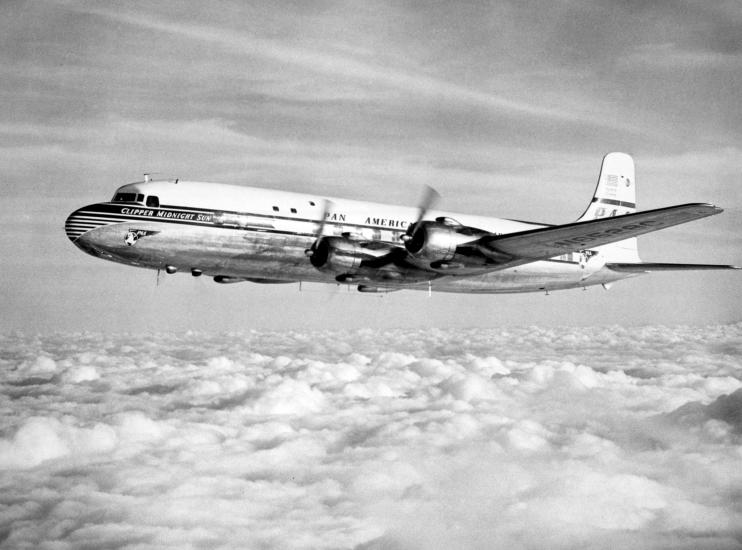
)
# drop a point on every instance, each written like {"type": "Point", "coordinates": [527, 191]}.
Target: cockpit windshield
{"type": "Point", "coordinates": [128, 197]}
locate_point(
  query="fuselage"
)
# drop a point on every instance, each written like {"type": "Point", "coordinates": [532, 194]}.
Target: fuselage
{"type": "Point", "coordinates": [238, 233]}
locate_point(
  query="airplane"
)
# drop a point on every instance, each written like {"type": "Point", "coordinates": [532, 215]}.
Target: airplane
{"type": "Point", "coordinates": [235, 233]}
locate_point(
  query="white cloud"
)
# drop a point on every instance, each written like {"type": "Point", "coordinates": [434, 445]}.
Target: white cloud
{"type": "Point", "coordinates": [41, 365]}
{"type": "Point", "coordinates": [41, 439]}
{"type": "Point", "coordinates": [669, 55]}
{"type": "Point", "coordinates": [85, 373]}
{"type": "Point", "coordinates": [593, 437]}
{"type": "Point", "coordinates": [293, 397]}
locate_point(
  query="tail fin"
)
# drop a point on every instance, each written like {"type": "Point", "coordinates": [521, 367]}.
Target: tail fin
{"type": "Point", "coordinates": [615, 195]}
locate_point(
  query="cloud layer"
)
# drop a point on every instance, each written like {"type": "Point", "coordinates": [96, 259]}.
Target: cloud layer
{"type": "Point", "coordinates": [515, 438]}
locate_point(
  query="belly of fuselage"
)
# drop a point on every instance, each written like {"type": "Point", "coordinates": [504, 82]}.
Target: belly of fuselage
{"type": "Point", "coordinates": [211, 250]}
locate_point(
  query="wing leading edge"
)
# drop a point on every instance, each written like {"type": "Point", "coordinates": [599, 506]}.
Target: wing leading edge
{"type": "Point", "coordinates": [547, 242]}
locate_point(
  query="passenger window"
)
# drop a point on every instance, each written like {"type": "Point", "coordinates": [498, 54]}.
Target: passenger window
{"type": "Point", "coordinates": [293, 210]}
{"type": "Point", "coordinates": [153, 200]}
{"type": "Point", "coordinates": [275, 209]}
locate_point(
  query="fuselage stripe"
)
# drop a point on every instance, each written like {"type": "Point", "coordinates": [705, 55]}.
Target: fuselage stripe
{"type": "Point", "coordinates": [614, 202]}
{"type": "Point", "coordinates": [172, 214]}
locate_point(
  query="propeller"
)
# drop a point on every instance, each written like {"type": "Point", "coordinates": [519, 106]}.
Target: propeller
{"type": "Point", "coordinates": [326, 204]}
{"type": "Point", "coordinates": [429, 198]}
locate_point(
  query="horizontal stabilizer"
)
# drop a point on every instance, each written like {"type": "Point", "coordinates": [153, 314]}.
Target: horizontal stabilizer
{"type": "Point", "coordinates": [547, 242]}
{"type": "Point", "coordinates": [648, 266]}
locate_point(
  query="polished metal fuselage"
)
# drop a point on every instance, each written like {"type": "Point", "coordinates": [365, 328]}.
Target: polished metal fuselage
{"type": "Point", "coordinates": [236, 233]}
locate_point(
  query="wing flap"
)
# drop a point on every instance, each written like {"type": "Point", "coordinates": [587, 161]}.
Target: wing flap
{"type": "Point", "coordinates": [547, 242]}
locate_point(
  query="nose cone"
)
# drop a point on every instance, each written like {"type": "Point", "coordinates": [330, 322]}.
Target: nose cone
{"type": "Point", "coordinates": [86, 219]}
{"type": "Point", "coordinates": [78, 223]}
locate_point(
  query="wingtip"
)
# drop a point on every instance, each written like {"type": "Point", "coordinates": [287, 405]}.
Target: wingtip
{"type": "Point", "coordinates": [708, 208]}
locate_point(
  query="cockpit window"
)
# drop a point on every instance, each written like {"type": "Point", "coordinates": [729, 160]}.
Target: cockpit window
{"type": "Point", "coordinates": [125, 197]}
{"type": "Point", "coordinates": [153, 200]}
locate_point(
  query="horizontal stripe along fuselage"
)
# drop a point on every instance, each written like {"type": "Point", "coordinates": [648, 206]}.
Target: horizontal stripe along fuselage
{"type": "Point", "coordinates": [101, 214]}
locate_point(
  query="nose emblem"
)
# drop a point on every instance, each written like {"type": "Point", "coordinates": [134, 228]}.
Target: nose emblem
{"type": "Point", "coordinates": [131, 237]}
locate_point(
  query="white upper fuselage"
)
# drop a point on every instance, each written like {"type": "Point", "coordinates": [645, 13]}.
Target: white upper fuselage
{"type": "Point", "coordinates": [295, 210]}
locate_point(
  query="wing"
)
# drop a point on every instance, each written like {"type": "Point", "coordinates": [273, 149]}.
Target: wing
{"type": "Point", "coordinates": [441, 248]}
{"type": "Point", "coordinates": [547, 242]}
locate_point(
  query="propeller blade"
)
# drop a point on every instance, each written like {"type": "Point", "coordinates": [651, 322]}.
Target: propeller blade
{"type": "Point", "coordinates": [429, 198]}
{"type": "Point", "coordinates": [326, 205]}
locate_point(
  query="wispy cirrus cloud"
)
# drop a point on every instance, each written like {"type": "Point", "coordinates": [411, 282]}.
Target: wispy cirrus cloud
{"type": "Point", "coordinates": [349, 67]}
{"type": "Point", "coordinates": [673, 56]}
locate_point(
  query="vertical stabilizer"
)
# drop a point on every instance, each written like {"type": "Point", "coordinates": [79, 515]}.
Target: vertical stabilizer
{"type": "Point", "coordinates": [615, 195]}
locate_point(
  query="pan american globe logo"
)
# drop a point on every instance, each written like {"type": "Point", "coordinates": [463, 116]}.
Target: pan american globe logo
{"type": "Point", "coordinates": [133, 235]}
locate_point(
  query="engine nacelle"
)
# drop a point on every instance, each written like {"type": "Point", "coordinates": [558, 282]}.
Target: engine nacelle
{"type": "Point", "coordinates": [336, 254]}
{"type": "Point", "coordinates": [435, 242]}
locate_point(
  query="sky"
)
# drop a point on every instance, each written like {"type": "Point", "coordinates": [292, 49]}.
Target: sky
{"type": "Point", "coordinates": [137, 413]}
{"type": "Point", "coordinates": [521, 438]}
{"type": "Point", "coordinates": [506, 108]}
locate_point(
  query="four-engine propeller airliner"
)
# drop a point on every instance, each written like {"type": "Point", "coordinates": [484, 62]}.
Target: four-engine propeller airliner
{"type": "Point", "coordinates": [235, 233]}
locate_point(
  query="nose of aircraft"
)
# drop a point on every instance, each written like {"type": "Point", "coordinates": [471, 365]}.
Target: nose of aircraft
{"type": "Point", "coordinates": [81, 221]}
{"type": "Point", "coordinates": [75, 225]}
